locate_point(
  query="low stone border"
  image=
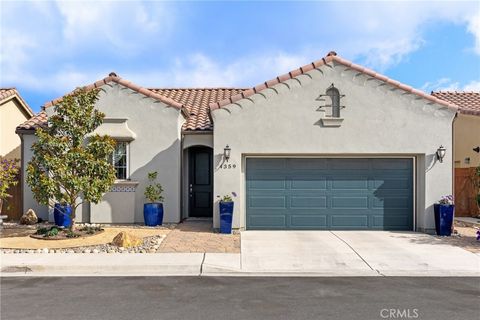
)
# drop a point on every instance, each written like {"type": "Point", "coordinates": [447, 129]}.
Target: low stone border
{"type": "Point", "coordinates": [150, 245]}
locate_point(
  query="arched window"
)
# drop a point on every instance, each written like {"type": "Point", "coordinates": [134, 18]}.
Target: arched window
{"type": "Point", "coordinates": [334, 95]}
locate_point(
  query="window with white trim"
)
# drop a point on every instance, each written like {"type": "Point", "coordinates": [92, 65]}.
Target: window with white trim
{"type": "Point", "coordinates": [120, 160]}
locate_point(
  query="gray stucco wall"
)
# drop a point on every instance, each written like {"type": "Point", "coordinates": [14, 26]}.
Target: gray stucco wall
{"type": "Point", "coordinates": [378, 121]}
{"type": "Point", "coordinates": [156, 147]}
{"type": "Point", "coordinates": [28, 199]}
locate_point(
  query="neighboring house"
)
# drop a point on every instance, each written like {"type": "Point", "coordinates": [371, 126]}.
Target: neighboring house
{"type": "Point", "coordinates": [466, 142]}
{"type": "Point", "coordinates": [331, 145]}
{"type": "Point", "coordinates": [13, 110]}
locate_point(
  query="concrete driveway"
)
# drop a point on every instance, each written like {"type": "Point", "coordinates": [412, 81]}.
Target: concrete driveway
{"type": "Point", "coordinates": [354, 253]}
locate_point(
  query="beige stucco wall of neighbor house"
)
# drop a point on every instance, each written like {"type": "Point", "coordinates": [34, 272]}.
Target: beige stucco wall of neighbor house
{"type": "Point", "coordinates": [378, 121]}
{"type": "Point", "coordinates": [11, 115]}
{"type": "Point", "coordinates": [466, 137]}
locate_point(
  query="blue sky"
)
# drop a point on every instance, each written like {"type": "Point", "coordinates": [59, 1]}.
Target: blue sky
{"type": "Point", "coordinates": [50, 47]}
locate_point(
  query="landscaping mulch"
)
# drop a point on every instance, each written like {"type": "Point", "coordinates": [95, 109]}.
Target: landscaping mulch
{"type": "Point", "coordinates": [63, 235]}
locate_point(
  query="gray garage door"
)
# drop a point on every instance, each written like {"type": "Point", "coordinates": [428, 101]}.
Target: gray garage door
{"type": "Point", "coordinates": [329, 193]}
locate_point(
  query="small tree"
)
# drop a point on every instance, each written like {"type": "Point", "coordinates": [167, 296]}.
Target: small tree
{"type": "Point", "coordinates": [70, 165]}
{"type": "Point", "coordinates": [153, 192]}
{"type": "Point", "coordinates": [8, 178]}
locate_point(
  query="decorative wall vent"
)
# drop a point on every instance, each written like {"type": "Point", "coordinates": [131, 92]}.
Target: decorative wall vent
{"type": "Point", "coordinates": [331, 107]}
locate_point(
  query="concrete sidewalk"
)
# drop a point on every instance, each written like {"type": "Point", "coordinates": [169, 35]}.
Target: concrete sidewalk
{"type": "Point", "coordinates": [271, 253]}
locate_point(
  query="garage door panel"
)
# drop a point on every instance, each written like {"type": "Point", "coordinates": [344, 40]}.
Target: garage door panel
{"type": "Point", "coordinates": [267, 202]}
{"type": "Point", "coordinates": [330, 193]}
{"type": "Point", "coordinates": [266, 183]}
{"type": "Point", "coordinates": [355, 183]}
{"type": "Point", "coordinates": [308, 183]}
{"type": "Point", "coordinates": [349, 202]}
{"type": "Point", "coordinates": [392, 202]}
{"type": "Point", "coordinates": [393, 184]}
{"type": "Point", "coordinates": [308, 221]}
{"type": "Point", "coordinates": [308, 202]}
{"type": "Point", "coordinates": [390, 221]}
{"type": "Point", "coordinates": [266, 221]}
{"type": "Point", "coordinates": [356, 221]}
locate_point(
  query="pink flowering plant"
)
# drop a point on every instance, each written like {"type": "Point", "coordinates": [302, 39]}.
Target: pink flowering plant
{"type": "Point", "coordinates": [8, 178]}
{"type": "Point", "coordinates": [446, 200]}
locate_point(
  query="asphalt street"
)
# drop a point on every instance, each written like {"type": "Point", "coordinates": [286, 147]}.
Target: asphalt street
{"type": "Point", "coordinates": [239, 298]}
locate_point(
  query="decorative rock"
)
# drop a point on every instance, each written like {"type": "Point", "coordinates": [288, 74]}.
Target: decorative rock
{"type": "Point", "coordinates": [126, 240]}
{"type": "Point", "coordinates": [95, 251]}
{"type": "Point", "coordinates": [86, 251]}
{"type": "Point", "coordinates": [29, 217]}
{"type": "Point", "coordinates": [70, 251]}
{"type": "Point", "coordinates": [45, 250]}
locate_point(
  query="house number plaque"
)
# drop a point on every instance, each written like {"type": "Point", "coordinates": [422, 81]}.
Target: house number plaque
{"type": "Point", "coordinates": [228, 166]}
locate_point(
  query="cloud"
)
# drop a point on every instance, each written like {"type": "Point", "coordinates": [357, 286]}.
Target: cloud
{"type": "Point", "coordinates": [473, 27]}
{"type": "Point", "coordinates": [383, 34]}
{"type": "Point", "coordinates": [447, 84]}
{"type": "Point", "coordinates": [57, 46]}
{"type": "Point", "coordinates": [199, 70]}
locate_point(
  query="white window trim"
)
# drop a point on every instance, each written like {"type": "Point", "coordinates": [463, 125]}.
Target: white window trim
{"type": "Point", "coordinates": [127, 151]}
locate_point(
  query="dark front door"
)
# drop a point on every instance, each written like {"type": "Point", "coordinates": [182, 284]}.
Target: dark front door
{"type": "Point", "coordinates": [200, 182]}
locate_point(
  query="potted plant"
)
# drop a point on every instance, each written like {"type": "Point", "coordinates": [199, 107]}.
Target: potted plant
{"type": "Point", "coordinates": [153, 211]}
{"type": "Point", "coordinates": [444, 212]}
{"type": "Point", "coordinates": [226, 213]}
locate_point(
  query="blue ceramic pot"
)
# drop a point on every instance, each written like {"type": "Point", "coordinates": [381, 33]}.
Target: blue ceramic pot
{"type": "Point", "coordinates": [226, 215]}
{"type": "Point", "coordinates": [61, 215]}
{"type": "Point", "coordinates": [153, 214]}
{"type": "Point", "coordinates": [444, 218]}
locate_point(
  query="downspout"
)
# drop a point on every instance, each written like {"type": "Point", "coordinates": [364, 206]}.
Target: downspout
{"type": "Point", "coordinates": [182, 208]}
{"type": "Point", "coordinates": [23, 167]}
{"type": "Point", "coordinates": [453, 154]}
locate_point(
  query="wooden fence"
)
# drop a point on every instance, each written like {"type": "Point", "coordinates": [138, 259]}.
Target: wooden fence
{"type": "Point", "coordinates": [465, 196]}
{"type": "Point", "coordinates": [12, 207]}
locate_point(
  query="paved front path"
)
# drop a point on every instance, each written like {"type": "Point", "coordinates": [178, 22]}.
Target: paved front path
{"type": "Point", "coordinates": [197, 236]}
{"type": "Point", "coordinates": [116, 298]}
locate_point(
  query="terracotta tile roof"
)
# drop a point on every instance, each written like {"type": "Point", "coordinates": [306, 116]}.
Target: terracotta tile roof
{"type": "Point", "coordinates": [196, 101]}
{"type": "Point", "coordinates": [37, 121]}
{"type": "Point", "coordinates": [331, 57]}
{"type": "Point", "coordinates": [112, 77]}
{"type": "Point", "coordinates": [467, 102]}
{"type": "Point", "coordinates": [12, 92]}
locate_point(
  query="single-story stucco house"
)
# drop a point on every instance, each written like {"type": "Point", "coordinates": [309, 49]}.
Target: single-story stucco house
{"type": "Point", "coordinates": [466, 146]}
{"type": "Point", "coordinates": [330, 145]}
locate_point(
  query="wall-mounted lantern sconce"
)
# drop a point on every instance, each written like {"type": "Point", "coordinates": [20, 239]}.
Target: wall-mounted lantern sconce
{"type": "Point", "coordinates": [226, 152]}
{"type": "Point", "coordinates": [441, 153]}
{"type": "Point", "coordinates": [477, 149]}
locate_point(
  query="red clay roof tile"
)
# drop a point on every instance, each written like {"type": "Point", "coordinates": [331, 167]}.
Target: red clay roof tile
{"type": "Point", "coordinates": [468, 102]}
{"type": "Point", "coordinates": [333, 58]}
